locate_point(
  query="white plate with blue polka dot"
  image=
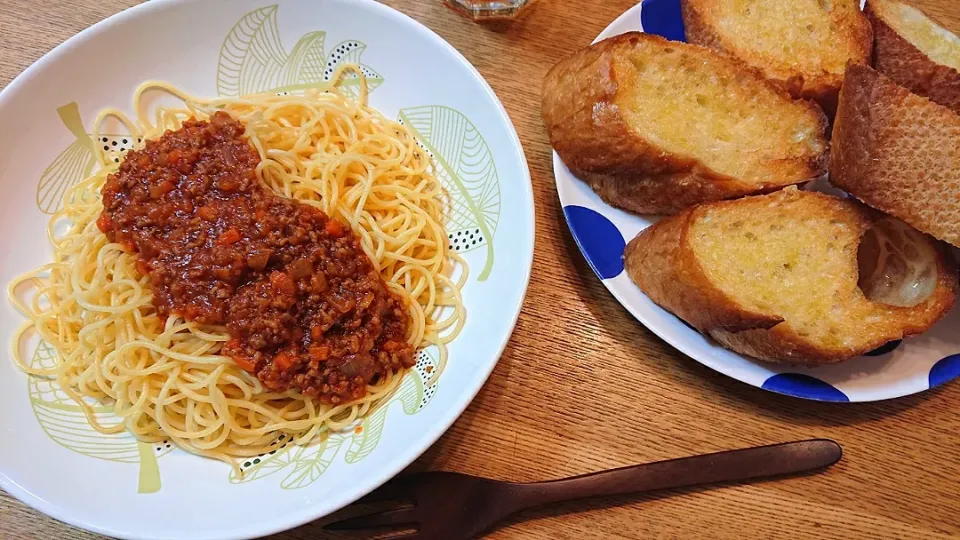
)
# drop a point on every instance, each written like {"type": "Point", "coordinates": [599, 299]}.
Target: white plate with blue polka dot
{"type": "Point", "coordinates": [50, 456]}
{"type": "Point", "coordinates": [601, 232]}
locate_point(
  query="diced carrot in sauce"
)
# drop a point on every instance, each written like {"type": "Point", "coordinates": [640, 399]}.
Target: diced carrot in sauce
{"type": "Point", "coordinates": [161, 189]}
{"type": "Point", "coordinates": [282, 282]}
{"type": "Point", "coordinates": [103, 223]}
{"type": "Point", "coordinates": [283, 360]}
{"type": "Point", "coordinates": [229, 236]}
{"type": "Point", "coordinates": [160, 213]}
{"type": "Point", "coordinates": [208, 213]}
{"type": "Point", "coordinates": [335, 228]}
{"type": "Point", "coordinates": [319, 353]}
{"type": "Point", "coordinates": [300, 268]}
{"type": "Point", "coordinates": [259, 259]}
{"type": "Point", "coordinates": [318, 283]}
{"type": "Point", "coordinates": [233, 348]}
{"type": "Point", "coordinates": [228, 185]}
{"type": "Point", "coordinates": [245, 364]}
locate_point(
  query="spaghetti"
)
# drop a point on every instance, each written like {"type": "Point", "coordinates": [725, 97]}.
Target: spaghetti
{"type": "Point", "coordinates": [169, 378]}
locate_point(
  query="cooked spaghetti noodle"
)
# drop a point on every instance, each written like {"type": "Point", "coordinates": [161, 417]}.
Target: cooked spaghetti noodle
{"type": "Point", "coordinates": [165, 377]}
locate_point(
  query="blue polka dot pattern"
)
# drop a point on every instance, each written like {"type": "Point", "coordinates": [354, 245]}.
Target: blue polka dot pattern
{"type": "Point", "coordinates": [945, 370]}
{"type": "Point", "coordinates": [890, 346]}
{"type": "Point", "coordinates": [803, 386]}
{"type": "Point", "coordinates": [599, 240]}
{"type": "Point", "coordinates": [663, 18]}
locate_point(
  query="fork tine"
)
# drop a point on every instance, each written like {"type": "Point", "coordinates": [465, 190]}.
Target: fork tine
{"type": "Point", "coordinates": [390, 518]}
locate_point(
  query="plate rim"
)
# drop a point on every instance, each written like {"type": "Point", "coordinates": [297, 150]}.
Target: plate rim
{"type": "Point", "coordinates": [676, 343]}
{"type": "Point", "coordinates": [307, 514]}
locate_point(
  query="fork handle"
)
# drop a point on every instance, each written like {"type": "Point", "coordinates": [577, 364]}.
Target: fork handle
{"type": "Point", "coordinates": [728, 466]}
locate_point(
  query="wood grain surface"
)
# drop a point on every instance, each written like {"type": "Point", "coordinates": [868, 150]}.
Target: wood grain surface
{"type": "Point", "coordinates": [583, 386]}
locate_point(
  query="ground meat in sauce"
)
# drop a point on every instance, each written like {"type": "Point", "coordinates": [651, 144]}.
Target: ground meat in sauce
{"type": "Point", "coordinates": [301, 301]}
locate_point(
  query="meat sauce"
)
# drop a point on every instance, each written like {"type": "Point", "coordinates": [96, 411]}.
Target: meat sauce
{"type": "Point", "coordinates": [303, 305]}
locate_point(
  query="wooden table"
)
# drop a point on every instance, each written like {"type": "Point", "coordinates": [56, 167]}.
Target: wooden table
{"type": "Point", "coordinates": [583, 386]}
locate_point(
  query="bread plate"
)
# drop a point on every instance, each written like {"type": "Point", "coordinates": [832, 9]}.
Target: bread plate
{"type": "Point", "coordinates": [601, 232]}
{"type": "Point", "coordinates": [114, 485]}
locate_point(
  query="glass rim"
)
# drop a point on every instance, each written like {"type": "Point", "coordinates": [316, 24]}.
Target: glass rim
{"type": "Point", "coordinates": [490, 7]}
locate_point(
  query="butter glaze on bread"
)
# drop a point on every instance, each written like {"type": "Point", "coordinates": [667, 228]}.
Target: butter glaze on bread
{"type": "Point", "coordinates": [803, 45]}
{"type": "Point", "coordinates": [655, 126]}
{"type": "Point", "coordinates": [915, 51]}
{"type": "Point", "coordinates": [776, 276]}
{"type": "Point", "coordinates": [898, 152]}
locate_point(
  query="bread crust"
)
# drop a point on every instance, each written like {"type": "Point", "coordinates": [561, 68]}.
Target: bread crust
{"type": "Point", "coordinates": [662, 263]}
{"type": "Point", "coordinates": [900, 60]}
{"type": "Point", "coordinates": [875, 159]}
{"type": "Point", "coordinates": [591, 136]}
{"type": "Point", "coordinates": [821, 85]}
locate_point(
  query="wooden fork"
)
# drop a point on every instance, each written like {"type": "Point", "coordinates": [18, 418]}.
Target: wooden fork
{"type": "Point", "coordinates": [452, 506]}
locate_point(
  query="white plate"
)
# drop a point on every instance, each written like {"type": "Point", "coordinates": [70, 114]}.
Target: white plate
{"type": "Point", "coordinates": [49, 456]}
{"type": "Point", "coordinates": [601, 231]}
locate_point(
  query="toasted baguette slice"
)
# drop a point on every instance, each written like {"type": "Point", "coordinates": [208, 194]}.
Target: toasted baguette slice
{"type": "Point", "coordinates": [655, 126]}
{"type": "Point", "coordinates": [898, 152]}
{"type": "Point", "coordinates": [777, 276]}
{"type": "Point", "coordinates": [803, 45]}
{"type": "Point", "coordinates": [915, 51]}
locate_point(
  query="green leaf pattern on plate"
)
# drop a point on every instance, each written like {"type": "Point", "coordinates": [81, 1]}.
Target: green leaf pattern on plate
{"type": "Point", "coordinates": [251, 56]}
{"type": "Point", "coordinates": [467, 170]}
{"type": "Point", "coordinates": [263, 466]}
{"type": "Point", "coordinates": [253, 59]}
{"type": "Point", "coordinates": [313, 463]}
{"type": "Point", "coordinates": [305, 464]}
{"type": "Point", "coordinates": [77, 161]}
{"type": "Point", "coordinates": [66, 424]}
{"type": "Point", "coordinates": [410, 395]}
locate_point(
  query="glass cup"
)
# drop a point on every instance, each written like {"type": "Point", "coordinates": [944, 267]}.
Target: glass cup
{"type": "Point", "coordinates": [489, 10]}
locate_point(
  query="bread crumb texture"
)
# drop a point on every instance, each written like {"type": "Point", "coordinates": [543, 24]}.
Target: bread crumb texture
{"type": "Point", "coordinates": [839, 275]}
{"type": "Point", "coordinates": [695, 104]}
